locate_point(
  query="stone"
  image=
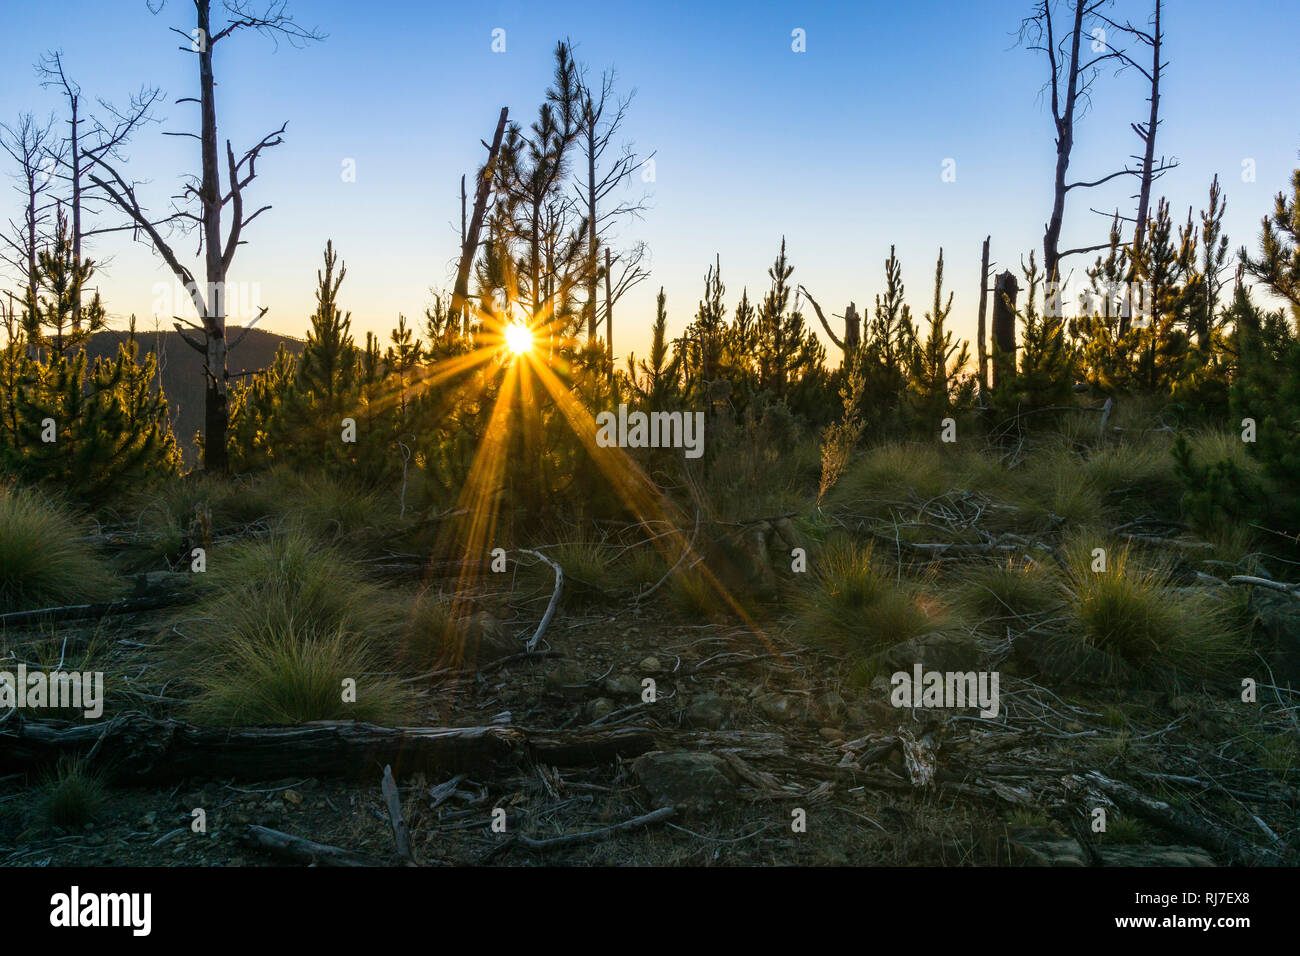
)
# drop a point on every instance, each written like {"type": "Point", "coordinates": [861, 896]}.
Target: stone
{"type": "Point", "coordinates": [706, 711]}
{"type": "Point", "coordinates": [1277, 628]}
{"type": "Point", "coordinates": [624, 686]}
{"type": "Point", "coordinates": [829, 706]}
{"type": "Point", "coordinates": [1039, 846]}
{"type": "Point", "coordinates": [487, 639]}
{"type": "Point", "coordinates": [567, 679]}
{"type": "Point", "coordinates": [775, 707]}
{"type": "Point", "coordinates": [937, 651]}
{"type": "Point", "coordinates": [691, 782]}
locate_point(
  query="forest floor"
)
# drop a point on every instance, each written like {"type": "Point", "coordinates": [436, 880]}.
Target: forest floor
{"type": "Point", "coordinates": [776, 762]}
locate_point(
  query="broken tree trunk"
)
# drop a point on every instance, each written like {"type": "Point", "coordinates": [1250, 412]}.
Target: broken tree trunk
{"type": "Point", "coordinates": [1004, 328]}
{"type": "Point", "coordinates": [460, 292]}
{"type": "Point", "coordinates": [981, 332]}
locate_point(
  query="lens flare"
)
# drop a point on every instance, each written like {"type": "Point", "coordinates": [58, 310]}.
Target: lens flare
{"type": "Point", "coordinates": [519, 338]}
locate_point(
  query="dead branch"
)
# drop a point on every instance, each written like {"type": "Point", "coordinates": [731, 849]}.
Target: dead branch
{"type": "Point", "coordinates": [393, 801]}
{"type": "Point", "coordinates": [298, 849]}
{"type": "Point", "coordinates": [552, 605]}
{"type": "Point", "coordinates": [555, 843]}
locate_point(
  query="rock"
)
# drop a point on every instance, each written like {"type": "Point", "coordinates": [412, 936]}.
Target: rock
{"type": "Point", "coordinates": [691, 782]}
{"type": "Point", "coordinates": [1030, 846]}
{"type": "Point", "coordinates": [857, 717]}
{"type": "Point", "coordinates": [622, 687]}
{"type": "Point", "coordinates": [706, 711]}
{"type": "Point", "coordinates": [1064, 659]}
{"type": "Point", "coordinates": [487, 640]}
{"type": "Point", "coordinates": [775, 707]}
{"type": "Point", "coordinates": [601, 707]}
{"type": "Point", "coordinates": [567, 679]}
{"type": "Point", "coordinates": [829, 706]}
{"type": "Point", "coordinates": [1277, 628]}
{"type": "Point", "coordinates": [649, 665]}
{"type": "Point", "coordinates": [938, 651]}
{"type": "Point", "coordinates": [1038, 846]}
{"type": "Point", "coordinates": [1156, 856]}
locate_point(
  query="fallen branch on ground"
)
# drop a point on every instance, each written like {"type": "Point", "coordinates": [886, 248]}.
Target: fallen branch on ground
{"type": "Point", "coordinates": [559, 842]}
{"type": "Point", "coordinates": [298, 849]}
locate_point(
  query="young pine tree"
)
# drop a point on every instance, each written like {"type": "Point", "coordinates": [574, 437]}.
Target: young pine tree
{"type": "Point", "coordinates": [325, 390]}
{"type": "Point", "coordinates": [937, 362]}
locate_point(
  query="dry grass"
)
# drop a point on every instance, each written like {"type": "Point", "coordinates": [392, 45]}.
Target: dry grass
{"type": "Point", "coordinates": [855, 604]}
{"type": "Point", "coordinates": [41, 563]}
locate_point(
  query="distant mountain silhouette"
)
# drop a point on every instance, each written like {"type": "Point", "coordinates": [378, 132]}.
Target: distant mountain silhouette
{"type": "Point", "coordinates": [182, 370]}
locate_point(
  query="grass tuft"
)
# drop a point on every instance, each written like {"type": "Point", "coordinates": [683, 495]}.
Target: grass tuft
{"type": "Point", "coordinates": [288, 675]}
{"type": "Point", "coordinates": [854, 604]}
{"type": "Point", "coordinates": [41, 563]}
{"type": "Point", "coordinates": [1131, 610]}
{"type": "Point", "coordinates": [72, 795]}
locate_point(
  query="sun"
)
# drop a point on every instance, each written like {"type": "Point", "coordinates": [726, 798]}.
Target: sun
{"type": "Point", "coordinates": [519, 338]}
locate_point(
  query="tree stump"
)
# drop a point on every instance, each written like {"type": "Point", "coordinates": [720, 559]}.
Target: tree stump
{"type": "Point", "coordinates": [1004, 328]}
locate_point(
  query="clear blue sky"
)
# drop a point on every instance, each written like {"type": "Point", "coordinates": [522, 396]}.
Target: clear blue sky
{"type": "Point", "coordinates": [840, 148]}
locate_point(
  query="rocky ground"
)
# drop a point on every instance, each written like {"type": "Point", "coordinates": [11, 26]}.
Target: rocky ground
{"type": "Point", "coordinates": [772, 756]}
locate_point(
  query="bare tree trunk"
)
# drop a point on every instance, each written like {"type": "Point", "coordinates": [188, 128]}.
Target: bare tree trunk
{"type": "Point", "coordinates": [1064, 146]}
{"type": "Point", "coordinates": [460, 292]}
{"type": "Point", "coordinates": [981, 333]}
{"type": "Point", "coordinates": [216, 410]}
{"type": "Point", "coordinates": [1148, 156]}
{"type": "Point", "coordinates": [593, 237]}
{"type": "Point", "coordinates": [1004, 328]}
{"type": "Point", "coordinates": [609, 311]}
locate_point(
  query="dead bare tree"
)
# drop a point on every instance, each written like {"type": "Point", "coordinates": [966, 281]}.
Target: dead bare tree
{"type": "Point", "coordinates": [1072, 72]}
{"type": "Point", "coordinates": [981, 332]}
{"type": "Point", "coordinates": [28, 142]}
{"type": "Point", "coordinates": [470, 234]}
{"type": "Point", "coordinates": [269, 18]}
{"type": "Point", "coordinates": [101, 139]}
{"type": "Point", "coordinates": [600, 117]}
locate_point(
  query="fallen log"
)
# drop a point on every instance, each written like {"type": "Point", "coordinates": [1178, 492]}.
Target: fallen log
{"type": "Point", "coordinates": [135, 748]}
{"type": "Point", "coordinates": [80, 612]}
{"type": "Point", "coordinates": [298, 849]}
{"type": "Point", "coordinates": [1183, 823]}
